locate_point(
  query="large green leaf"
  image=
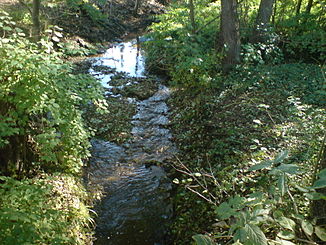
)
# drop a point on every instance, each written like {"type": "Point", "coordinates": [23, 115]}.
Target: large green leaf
{"type": "Point", "coordinates": [202, 239]}
{"type": "Point", "coordinates": [314, 196]}
{"type": "Point", "coordinates": [321, 183]}
{"type": "Point", "coordinates": [281, 156]}
{"type": "Point", "coordinates": [307, 227]}
{"type": "Point", "coordinates": [250, 235]}
{"type": "Point", "coordinates": [259, 166]}
{"type": "Point", "coordinates": [224, 211]}
{"type": "Point", "coordinates": [321, 233]}
{"type": "Point", "coordinates": [281, 183]}
{"type": "Point", "coordinates": [237, 202]}
{"type": "Point", "coordinates": [286, 223]}
{"type": "Point", "coordinates": [322, 174]}
{"type": "Point", "coordinates": [286, 234]}
{"type": "Point", "coordinates": [289, 168]}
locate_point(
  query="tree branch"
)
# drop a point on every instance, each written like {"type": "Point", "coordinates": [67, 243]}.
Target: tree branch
{"type": "Point", "coordinates": [26, 6]}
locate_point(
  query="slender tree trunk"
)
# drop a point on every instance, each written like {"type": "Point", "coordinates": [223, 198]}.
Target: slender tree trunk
{"type": "Point", "coordinates": [274, 12]}
{"type": "Point", "coordinates": [309, 6]}
{"type": "Point", "coordinates": [230, 37]}
{"type": "Point", "coordinates": [298, 8]}
{"type": "Point", "coordinates": [36, 20]}
{"type": "Point", "coordinates": [137, 6]}
{"type": "Point", "coordinates": [262, 21]}
{"type": "Point", "coordinates": [192, 15]}
{"type": "Point", "coordinates": [319, 206]}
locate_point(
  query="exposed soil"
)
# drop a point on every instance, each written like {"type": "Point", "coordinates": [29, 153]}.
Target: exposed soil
{"type": "Point", "coordinates": [120, 19]}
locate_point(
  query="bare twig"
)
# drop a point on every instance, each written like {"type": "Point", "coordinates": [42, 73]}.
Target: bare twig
{"type": "Point", "coordinates": [208, 23]}
{"type": "Point", "coordinates": [26, 6]}
{"type": "Point", "coordinates": [293, 201]}
{"type": "Point", "coordinates": [306, 241]}
{"type": "Point", "coordinates": [188, 172]}
{"type": "Point", "coordinates": [201, 195]}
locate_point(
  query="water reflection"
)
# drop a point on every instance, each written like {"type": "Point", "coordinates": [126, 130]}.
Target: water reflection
{"type": "Point", "coordinates": [123, 57]}
{"type": "Point", "coordinates": [136, 206]}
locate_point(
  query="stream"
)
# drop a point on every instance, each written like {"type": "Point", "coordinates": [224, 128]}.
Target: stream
{"type": "Point", "coordinates": [135, 207]}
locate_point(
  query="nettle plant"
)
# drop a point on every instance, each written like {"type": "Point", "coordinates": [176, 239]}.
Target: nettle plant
{"type": "Point", "coordinates": [269, 215]}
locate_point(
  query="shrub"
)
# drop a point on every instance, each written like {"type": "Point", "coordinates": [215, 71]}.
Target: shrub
{"type": "Point", "coordinates": [41, 124]}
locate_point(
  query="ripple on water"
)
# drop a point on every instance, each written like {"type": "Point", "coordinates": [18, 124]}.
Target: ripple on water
{"type": "Point", "coordinates": [136, 204]}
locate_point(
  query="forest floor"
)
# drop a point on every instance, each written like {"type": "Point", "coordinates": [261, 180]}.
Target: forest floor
{"type": "Point", "coordinates": [122, 21]}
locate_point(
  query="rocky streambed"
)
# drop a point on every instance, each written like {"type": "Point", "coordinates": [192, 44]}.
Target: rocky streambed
{"type": "Point", "coordinates": [126, 172]}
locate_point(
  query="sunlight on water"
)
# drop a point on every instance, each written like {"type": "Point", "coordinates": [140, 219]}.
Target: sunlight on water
{"type": "Point", "coordinates": [124, 57]}
{"type": "Point", "coordinates": [136, 207]}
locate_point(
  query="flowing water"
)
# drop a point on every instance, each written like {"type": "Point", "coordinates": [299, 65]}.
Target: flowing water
{"type": "Point", "coordinates": [136, 207]}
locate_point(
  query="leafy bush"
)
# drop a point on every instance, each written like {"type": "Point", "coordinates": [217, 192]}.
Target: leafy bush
{"type": "Point", "coordinates": [89, 9]}
{"type": "Point", "coordinates": [221, 134]}
{"type": "Point", "coordinates": [40, 100]}
{"type": "Point", "coordinates": [304, 36]}
{"type": "Point", "coordinates": [174, 49]}
{"type": "Point", "coordinates": [34, 212]}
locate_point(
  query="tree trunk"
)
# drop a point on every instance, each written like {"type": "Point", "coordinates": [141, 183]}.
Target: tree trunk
{"type": "Point", "coordinates": [297, 11]}
{"type": "Point", "coordinates": [262, 21]}
{"type": "Point", "coordinates": [36, 20]}
{"type": "Point", "coordinates": [192, 15]}
{"type": "Point", "coordinates": [137, 6]}
{"type": "Point", "coordinates": [274, 12]}
{"type": "Point", "coordinates": [319, 206]}
{"type": "Point", "coordinates": [230, 37]}
{"type": "Point", "coordinates": [309, 6]}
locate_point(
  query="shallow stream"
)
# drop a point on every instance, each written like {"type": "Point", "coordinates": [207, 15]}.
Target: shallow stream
{"type": "Point", "coordinates": [135, 208]}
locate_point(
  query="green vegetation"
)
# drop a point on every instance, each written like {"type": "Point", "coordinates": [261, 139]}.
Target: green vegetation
{"type": "Point", "coordinates": [250, 168]}
{"type": "Point", "coordinates": [43, 142]}
{"type": "Point", "coordinates": [248, 117]}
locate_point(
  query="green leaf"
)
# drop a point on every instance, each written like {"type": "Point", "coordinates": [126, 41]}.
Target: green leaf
{"type": "Point", "coordinates": [284, 242]}
{"type": "Point", "coordinates": [265, 164]}
{"type": "Point", "coordinates": [286, 223]}
{"type": "Point", "coordinates": [307, 227]}
{"type": "Point", "coordinates": [257, 121]}
{"type": "Point", "coordinates": [253, 147]}
{"type": "Point", "coordinates": [237, 202]}
{"type": "Point", "coordinates": [281, 156]}
{"type": "Point", "coordinates": [55, 39]}
{"type": "Point", "coordinates": [322, 174]}
{"type": "Point", "coordinates": [300, 188]}
{"type": "Point", "coordinates": [202, 239]}
{"type": "Point", "coordinates": [314, 196]}
{"type": "Point", "coordinates": [281, 184]}
{"type": "Point", "coordinates": [321, 183]}
{"type": "Point", "coordinates": [224, 211]}
{"type": "Point", "coordinates": [289, 168]}
{"type": "Point", "coordinates": [7, 28]}
{"type": "Point", "coordinates": [252, 235]}
{"type": "Point", "coordinates": [240, 235]}
{"type": "Point", "coordinates": [287, 235]}
{"type": "Point", "coordinates": [321, 233]}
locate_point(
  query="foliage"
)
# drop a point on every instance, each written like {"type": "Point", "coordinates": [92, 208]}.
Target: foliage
{"type": "Point", "coordinates": [267, 52]}
{"type": "Point", "coordinates": [41, 129]}
{"type": "Point", "coordinates": [34, 212]}
{"type": "Point", "coordinates": [40, 100]}
{"type": "Point", "coordinates": [267, 209]}
{"type": "Point", "coordinates": [304, 36]}
{"type": "Point", "coordinates": [188, 58]}
{"type": "Point", "coordinates": [223, 132]}
{"type": "Point", "coordinates": [89, 8]}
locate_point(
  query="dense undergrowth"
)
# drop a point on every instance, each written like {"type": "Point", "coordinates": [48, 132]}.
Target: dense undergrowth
{"type": "Point", "coordinates": [44, 142]}
{"type": "Point", "coordinates": [251, 141]}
